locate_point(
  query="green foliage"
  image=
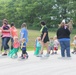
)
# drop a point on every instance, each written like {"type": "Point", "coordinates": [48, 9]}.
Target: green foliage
{"type": "Point", "coordinates": [34, 11]}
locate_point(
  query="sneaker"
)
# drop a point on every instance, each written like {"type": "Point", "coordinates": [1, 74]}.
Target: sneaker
{"type": "Point", "coordinates": [39, 55]}
{"type": "Point", "coordinates": [16, 56]}
{"type": "Point", "coordinates": [55, 52]}
{"type": "Point", "coordinates": [72, 52]}
{"type": "Point", "coordinates": [52, 53]}
{"type": "Point", "coordinates": [27, 56]}
{"type": "Point", "coordinates": [47, 55]}
{"type": "Point", "coordinates": [20, 57]}
{"type": "Point", "coordinates": [23, 58]}
{"type": "Point", "coordinates": [4, 54]}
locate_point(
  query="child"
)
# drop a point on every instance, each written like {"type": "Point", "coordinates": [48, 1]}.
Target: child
{"type": "Point", "coordinates": [51, 45]}
{"type": "Point", "coordinates": [56, 44]}
{"type": "Point", "coordinates": [74, 45]}
{"type": "Point", "coordinates": [16, 45]}
{"type": "Point", "coordinates": [23, 48]}
{"type": "Point", "coordinates": [38, 46]}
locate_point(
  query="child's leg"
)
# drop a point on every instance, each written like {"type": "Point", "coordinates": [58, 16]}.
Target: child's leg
{"type": "Point", "coordinates": [74, 49]}
{"type": "Point", "coordinates": [14, 51]}
{"type": "Point", "coordinates": [10, 52]}
{"type": "Point", "coordinates": [52, 49]}
{"type": "Point", "coordinates": [56, 49]}
{"type": "Point", "coordinates": [21, 54]}
{"type": "Point", "coordinates": [37, 51]}
{"type": "Point", "coordinates": [49, 48]}
{"type": "Point", "coordinates": [15, 56]}
{"type": "Point", "coordinates": [24, 54]}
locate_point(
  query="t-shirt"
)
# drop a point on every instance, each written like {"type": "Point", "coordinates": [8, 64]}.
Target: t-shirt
{"type": "Point", "coordinates": [23, 46]}
{"type": "Point", "coordinates": [16, 44]}
{"type": "Point", "coordinates": [14, 32]}
{"type": "Point", "coordinates": [5, 33]}
{"type": "Point", "coordinates": [5, 27]}
{"type": "Point", "coordinates": [38, 44]}
{"type": "Point", "coordinates": [24, 34]}
{"type": "Point", "coordinates": [45, 30]}
{"type": "Point", "coordinates": [51, 43]}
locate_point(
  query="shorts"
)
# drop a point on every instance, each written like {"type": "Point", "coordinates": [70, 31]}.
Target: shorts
{"type": "Point", "coordinates": [55, 48]}
{"type": "Point", "coordinates": [23, 51]}
{"type": "Point", "coordinates": [51, 48]}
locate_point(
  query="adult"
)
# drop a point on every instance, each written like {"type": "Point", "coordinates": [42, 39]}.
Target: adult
{"type": "Point", "coordinates": [63, 35]}
{"type": "Point", "coordinates": [5, 21]}
{"type": "Point", "coordinates": [44, 38]}
{"type": "Point", "coordinates": [5, 36]}
{"type": "Point", "coordinates": [24, 32]}
{"type": "Point", "coordinates": [14, 33]}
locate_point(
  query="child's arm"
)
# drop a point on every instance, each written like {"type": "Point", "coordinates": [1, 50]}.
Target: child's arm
{"type": "Point", "coordinates": [23, 45]}
{"type": "Point", "coordinates": [21, 35]}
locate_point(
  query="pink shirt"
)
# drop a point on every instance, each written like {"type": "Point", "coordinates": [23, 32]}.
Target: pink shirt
{"type": "Point", "coordinates": [5, 33]}
{"type": "Point", "coordinates": [16, 44]}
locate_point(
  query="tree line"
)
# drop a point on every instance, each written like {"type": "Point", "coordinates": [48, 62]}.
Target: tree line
{"type": "Point", "coordinates": [34, 11]}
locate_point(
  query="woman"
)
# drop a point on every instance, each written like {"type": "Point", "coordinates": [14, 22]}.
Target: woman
{"type": "Point", "coordinates": [5, 36]}
{"type": "Point", "coordinates": [44, 38]}
{"type": "Point", "coordinates": [63, 35]}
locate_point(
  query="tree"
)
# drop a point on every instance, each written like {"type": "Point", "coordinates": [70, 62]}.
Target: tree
{"type": "Point", "coordinates": [34, 11]}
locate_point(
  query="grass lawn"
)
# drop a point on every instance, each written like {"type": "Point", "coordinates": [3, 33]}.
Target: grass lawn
{"type": "Point", "coordinates": [32, 34]}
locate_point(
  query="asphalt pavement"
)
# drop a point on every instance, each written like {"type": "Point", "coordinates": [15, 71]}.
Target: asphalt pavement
{"type": "Point", "coordinates": [53, 65]}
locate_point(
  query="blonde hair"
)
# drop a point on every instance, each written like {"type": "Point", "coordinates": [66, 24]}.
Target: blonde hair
{"type": "Point", "coordinates": [38, 38]}
{"type": "Point", "coordinates": [24, 25]}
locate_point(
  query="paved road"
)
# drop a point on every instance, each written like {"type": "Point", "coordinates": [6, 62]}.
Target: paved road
{"type": "Point", "coordinates": [53, 65]}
